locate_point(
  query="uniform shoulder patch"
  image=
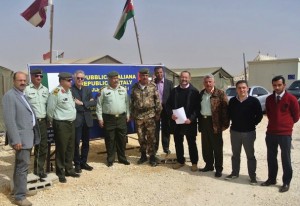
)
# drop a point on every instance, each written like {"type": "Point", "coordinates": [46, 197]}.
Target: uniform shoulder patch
{"type": "Point", "coordinates": [55, 91]}
{"type": "Point", "coordinates": [152, 83]}
{"type": "Point", "coordinates": [100, 90]}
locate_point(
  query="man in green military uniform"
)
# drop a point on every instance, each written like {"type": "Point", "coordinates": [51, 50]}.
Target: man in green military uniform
{"type": "Point", "coordinates": [145, 108]}
{"type": "Point", "coordinates": [37, 96]}
{"type": "Point", "coordinates": [113, 114]}
{"type": "Point", "coordinates": [61, 113]}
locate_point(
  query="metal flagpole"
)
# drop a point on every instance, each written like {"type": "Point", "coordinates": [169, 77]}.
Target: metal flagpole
{"type": "Point", "coordinates": [137, 39]}
{"type": "Point", "coordinates": [51, 29]}
{"type": "Point", "coordinates": [245, 69]}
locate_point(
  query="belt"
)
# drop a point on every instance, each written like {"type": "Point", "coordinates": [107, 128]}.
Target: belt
{"type": "Point", "coordinates": [63, 121]}
{"type": "Point", "coordinates": [206, 116]}
{"type": "Point", "coordinates": [115, 115]}
{"type": "Point", "coordinates": [41, 119]}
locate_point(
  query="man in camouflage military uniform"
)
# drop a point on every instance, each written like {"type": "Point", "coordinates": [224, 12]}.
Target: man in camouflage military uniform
{"type": "Point", "coordinates": [37, 96]}
{"type": "Point", "coordinates": [61, 113]}
{"type": "Point", "coordinates": [145, 108]}
{"type": "Point", "coordinates": [113, 114]}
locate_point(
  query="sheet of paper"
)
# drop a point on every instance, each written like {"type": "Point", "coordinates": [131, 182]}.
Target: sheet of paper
{"type": "Point", "coordinates": [180, 114]}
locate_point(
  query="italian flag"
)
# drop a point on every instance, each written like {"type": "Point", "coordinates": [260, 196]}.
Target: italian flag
{"type": "Point", "coordinates": [128, 13]}
{"type": "Point", "coordinates": [36, 13]}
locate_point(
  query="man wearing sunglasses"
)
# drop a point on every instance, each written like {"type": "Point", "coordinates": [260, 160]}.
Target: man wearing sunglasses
{"type": "Point", "coordinates": [61, 113]}
{"type": "Point", "coordinates": [84, 120]}
{"type": "Point", "coordinates": [37, 95]}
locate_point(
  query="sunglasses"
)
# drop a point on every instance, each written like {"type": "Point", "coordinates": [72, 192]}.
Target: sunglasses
{"type": "Point", "coordinates": [38, 75]}
{"type": "Point", "coordinates": [80, 78]}
{"type": "Point", "coordinates": [68, 80]}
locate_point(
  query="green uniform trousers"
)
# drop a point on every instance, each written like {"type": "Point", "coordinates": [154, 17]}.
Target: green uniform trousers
{"type": "Point", "coordinates": [40, 150]}
{"type": "Point", "coordinates": [115, 136]}
{"type": "Point", "coordinates": [64, 135]}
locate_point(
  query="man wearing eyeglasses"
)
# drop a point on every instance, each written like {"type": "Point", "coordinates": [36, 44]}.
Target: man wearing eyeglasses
{"type": "Point", "coordinates": [37, 95]}
{"type": "Point", "coordinates": [84, 120]}
{"type": "Point", "coordinates": [61, 113]}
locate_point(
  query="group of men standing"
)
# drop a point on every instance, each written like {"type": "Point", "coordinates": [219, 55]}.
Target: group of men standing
{"type": "Point", "coordinates": [30, 109]}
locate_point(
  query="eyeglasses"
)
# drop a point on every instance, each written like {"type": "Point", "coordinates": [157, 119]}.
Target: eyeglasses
{"type": "Point", "coordinates": [68, 80]}
{"type": "Point", "coordinates": [80, 78]}
{"type": "Point", "coordinates": [38, 75]}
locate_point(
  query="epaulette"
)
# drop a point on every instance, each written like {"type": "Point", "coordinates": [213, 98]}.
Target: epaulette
{"type": "Point", "coordinates": [153, 83]}
{"type": "Point", "coordinates": [100, 90]}
{"type": "Point", "coordinates": [55, 91]}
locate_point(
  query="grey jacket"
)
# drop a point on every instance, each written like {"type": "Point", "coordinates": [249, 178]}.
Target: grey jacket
{"type": "Point", "coordinates": [18, 121]}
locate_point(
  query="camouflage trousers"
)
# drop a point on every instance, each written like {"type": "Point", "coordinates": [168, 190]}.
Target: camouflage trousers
{"type": "Point", "coordinates": [146, 133]}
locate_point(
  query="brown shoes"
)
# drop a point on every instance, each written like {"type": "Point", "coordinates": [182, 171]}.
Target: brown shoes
{"type": "Point", "coordinates": [177, 166]}
{"type": "Point", "coordinates": [194, 168]}
{"type": "Point", "coordinates": [23, 202]}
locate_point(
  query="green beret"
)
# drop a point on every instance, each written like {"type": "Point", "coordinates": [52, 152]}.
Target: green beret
{"type": "Point", "coordinates": [144, 71]}
{"type": "Point", "coordinates": [36, 71]}
{"type": "Point", "coordinates": [65, 75]}
{"type": "Point", "coordinates": [112, 74]}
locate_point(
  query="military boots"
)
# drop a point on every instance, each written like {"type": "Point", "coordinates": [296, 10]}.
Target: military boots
{"type": "Point", "coordinates": [143, 158]}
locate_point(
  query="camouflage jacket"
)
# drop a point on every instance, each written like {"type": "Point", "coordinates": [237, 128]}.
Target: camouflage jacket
{"type": "Point", "coordinates": [145, 102]}
{"type": "Point", "coordinates": [219, 104]}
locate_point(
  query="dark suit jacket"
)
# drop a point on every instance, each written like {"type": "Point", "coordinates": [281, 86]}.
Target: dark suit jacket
{"type": "Point", "coordinates": [84, 111]}
{"type": "Point", "coordinates": [17, 118]}
{"type": "Point", "coordinates": [168, 86]}
{"type": "Point", "coordinates": [191, 110]}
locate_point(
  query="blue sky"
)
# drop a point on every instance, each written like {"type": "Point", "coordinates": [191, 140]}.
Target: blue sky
{"type": "Point", "coordinates": [177, 33]}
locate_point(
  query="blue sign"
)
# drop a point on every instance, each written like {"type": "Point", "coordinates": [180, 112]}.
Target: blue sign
{"type": "Point", "coordinates": [95, 78]}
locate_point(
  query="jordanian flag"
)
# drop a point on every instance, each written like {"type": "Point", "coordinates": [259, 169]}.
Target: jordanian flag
{"type": "Point", "coordinates": [127, 14]}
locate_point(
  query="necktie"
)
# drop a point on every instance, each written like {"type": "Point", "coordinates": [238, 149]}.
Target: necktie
{"type": "Point", "coordinates": [278, 98]}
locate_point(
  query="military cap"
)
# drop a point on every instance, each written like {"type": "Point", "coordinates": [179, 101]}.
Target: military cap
{"type": "Point", "coordinates": [144, 71]}
{"type": "Point", "coordinates": [65, 75]}
{"type": "Point", "coordinates": [112, 74]}
{"type": "Point", "coordinates": [36, 71]}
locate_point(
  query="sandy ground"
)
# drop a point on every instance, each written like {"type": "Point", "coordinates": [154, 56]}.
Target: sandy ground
{"type": "Point", "coordinates": [145, 185]}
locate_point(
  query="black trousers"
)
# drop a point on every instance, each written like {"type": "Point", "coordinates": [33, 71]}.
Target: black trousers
{"type": "Point", "coordinates": [284, 142]}
{"type": "Point", "coordinates": [81, 133]}
{"type": "Point", "coordinates": [212, 145]}
{"type": "Point", "coordinates": [164, 125]}
{"type": "Point", "coordinates": [115, 136]}
{"type": "Point", "coordinates": [40, 150]}
{"type": "Point", "coordinates": [193, 150]}
{"type": "Point", "coordinates": [64, 135]}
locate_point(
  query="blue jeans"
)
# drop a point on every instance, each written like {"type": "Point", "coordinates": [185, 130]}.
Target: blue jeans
{"type": "Point", "coordinates": [284, 141]}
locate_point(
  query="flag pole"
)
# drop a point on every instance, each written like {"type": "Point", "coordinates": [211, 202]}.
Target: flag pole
{"type": "Point", "coordinates": [137, 39]}
{"type": "Point", "coordinates": [51, 30]}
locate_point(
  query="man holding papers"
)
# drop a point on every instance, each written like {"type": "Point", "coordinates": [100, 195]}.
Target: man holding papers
{"type": "Point", "coordinates": [183, 106]}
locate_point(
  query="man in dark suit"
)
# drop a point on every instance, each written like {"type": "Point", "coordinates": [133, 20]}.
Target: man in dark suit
{"type": "Point", "coordinates": [22, 131]}
{"type": "Point", "coordinates": [164, 87]}
{"type": "Point", "coordinates": [187, 96]}
{"type": "Point", "coordinates": [84, 120]}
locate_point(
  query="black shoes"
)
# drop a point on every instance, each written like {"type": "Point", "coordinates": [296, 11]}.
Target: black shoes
{"type": "Point", "coordinates": [87, 167]}
{"type": "Point", "coordinates": [72, 175]}
{"type": "Point", "coordinates": [167, 152]}
{"type": "Point", "coordinates": [143, 158]}
{"type": "Point", "coordinates": [62, 179]}
{"type": "Point", "coordinates": [268, 183]}
{"type": "Point", "coordinates": [206, 169]}
{"type": "Point", "coordinates": [124, 162]}
{"type": "Point", "coordinates": [218, 174]}
{"type": "Point", "coordinates": [41, 175]}
{"type": "Point", "coordinates": [284, 188]}
{"type": "Point", "coordinates": [152, 161]}
{"type": "Point", "coordinates": [110, 164]}
{"type": "Point", "coordinates": [78, 169]}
